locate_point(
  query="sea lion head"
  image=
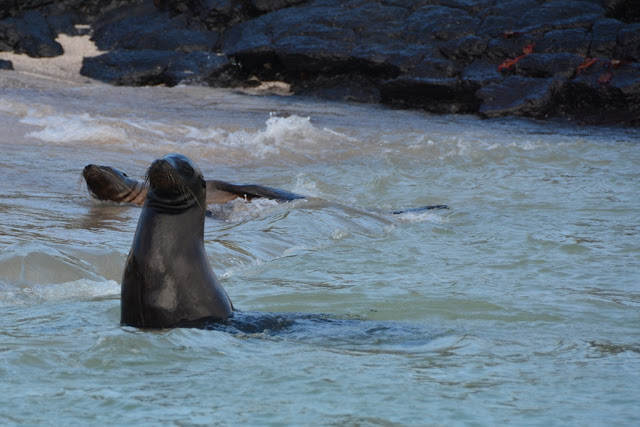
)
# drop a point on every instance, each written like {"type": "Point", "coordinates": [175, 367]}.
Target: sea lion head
{"type": "Point", "coordinates": [107, 183]}
{"type": "Point", "coordinates": [175, 184]}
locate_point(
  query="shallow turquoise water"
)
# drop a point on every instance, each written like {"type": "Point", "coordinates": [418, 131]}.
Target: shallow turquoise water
{"type": "Point", "coordinates": [520, 305]}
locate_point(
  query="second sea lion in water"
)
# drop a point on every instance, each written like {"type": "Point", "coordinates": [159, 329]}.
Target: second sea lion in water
{"type": "Point", "coordinates": [110, 184]}
{"type": "Point", "coordinates": [107, 183]}
{"type": "Point", "coordinates": [167, 279]}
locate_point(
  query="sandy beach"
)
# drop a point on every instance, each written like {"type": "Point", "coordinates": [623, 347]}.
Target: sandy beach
{"type": "Point", "coordinates": [64, 67]}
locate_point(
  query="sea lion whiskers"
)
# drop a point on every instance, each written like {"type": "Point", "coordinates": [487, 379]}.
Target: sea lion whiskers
{"type": "Point", "coordinates": [146, 182]}
{"type": "Point", "coordinates": [189, 191]}
{"type": "Point", "coordinates": [185, 188]}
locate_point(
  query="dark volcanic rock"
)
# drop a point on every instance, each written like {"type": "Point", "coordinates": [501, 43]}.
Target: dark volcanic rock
{"type": "Point", "coordinates": [481, 73]}
{"type": "Point", "coordinates": [220, 14]}
{"type": "Point", "coordinates": [434, 66]}
{"type": "Point", "coordinates": [525, 57]}
{"type": "Point", "coordinates": [152, 67]}
{"type": "Point", "coordinates": [624, 10]}
{"type": "Point", "coordinates": [629, 43]}
{"type": "Point", "coordinates": [14, 7]}
{"type": "Point", "coordinates": [30, 33]}
{"type": "Point", "coordinates": [6, 65]}
{"type": "Point", "coordinates": [143, 28]}
{"type": "Point", "coordinates": [516, 95]}
{"type": "Point", "coordinates": [574, 40]}
{"type": "Point", "coordinates": [603, 38]}
{"type": "Point", "coordinates": [602, 93]}
{"type": "Point", "coordinates": [603, 103]}
{"type": "Point", "coordinates": [436, 95]}
{"type": "Point", "coordinates": [561, 14]}
{"type": "Point", "coordinates": [441, 23]}
{"type": "Point", "coordinates": [159, 33]}
{"type": "Point", "coordinates": [464, 49]}
{"type": "Point", "coordinates": [264, 6]}
{"type": "Point", "coordinates": [89, 9]}
{"type": "Point", "coordinates": [545, 65]}
{"type": "Point", "coordinates": [355, 88]}
{"type": "Point", "coordinates": [502, 48]}
{"type": "Point", "coordinates": [64, 22]}
{"type": "Point", "coordinates": [495, 26]}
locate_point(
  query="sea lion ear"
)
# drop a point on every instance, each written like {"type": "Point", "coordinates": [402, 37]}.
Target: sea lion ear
{"type": "Point", "coordinates": [204, 183]}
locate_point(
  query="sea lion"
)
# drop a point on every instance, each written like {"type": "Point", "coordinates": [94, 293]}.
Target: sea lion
{"type": "Point", "coordinates": [108, 183]}
{"type": "Point", "coordinates": [167, 280]}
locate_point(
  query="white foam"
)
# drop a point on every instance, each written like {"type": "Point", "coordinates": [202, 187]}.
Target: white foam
{"type": "Point", "coordinates": [469, 145]}
{"type": "Point", "coordinates": [339, 234]}
{"type": "Point", "coordinates": [294, 136]}
{"type": "Point", "coordinates": [288, 133]}
{"type": "Point", "coordinates": [239, 209]}
{"type": "Point", "coordinates": [73, 128]}
{"type": "Point", "coordinates": [20, 109]}
{"type": "Point", "coordinates": [205, 135]}
{"type": "Point", "coordinates": [424, 216]}
{"type": "Point", "coordinates": [304, 185]}
{"type": "Point", "coordinates": [282, 131]}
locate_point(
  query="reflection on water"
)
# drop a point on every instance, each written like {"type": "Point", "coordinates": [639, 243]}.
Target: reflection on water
{"type": "Point", "coordinates": [517, 305]}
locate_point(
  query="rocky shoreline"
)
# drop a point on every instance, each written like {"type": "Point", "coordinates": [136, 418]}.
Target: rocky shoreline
{"type": "Point", "coordinates": [534, 58]}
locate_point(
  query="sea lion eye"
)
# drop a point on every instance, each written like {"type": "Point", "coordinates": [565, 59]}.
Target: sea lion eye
{"type": "Point", "coordinates": [187, 169]}
{"type": "Point", "coordinates": [125, 174]}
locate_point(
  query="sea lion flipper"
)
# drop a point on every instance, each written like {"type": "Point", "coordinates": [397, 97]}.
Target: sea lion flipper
{"type": "Point", "coordinates": [225, 191]}
{"type": "Point", "coordinates": [419, 209]}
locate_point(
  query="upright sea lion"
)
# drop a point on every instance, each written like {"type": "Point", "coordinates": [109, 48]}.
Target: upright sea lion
{"type": "Point", "coordinates": [167, 279]}
{"type": "Point", "coordinates": [107, 183]}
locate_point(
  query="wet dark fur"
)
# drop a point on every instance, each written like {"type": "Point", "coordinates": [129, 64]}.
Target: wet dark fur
{"type": "Point", "coordinates": [110, 184]}
{"type": "Point", "coordinates": [107, 183]}
{"type": "Point", "coordinates": [167, 280]}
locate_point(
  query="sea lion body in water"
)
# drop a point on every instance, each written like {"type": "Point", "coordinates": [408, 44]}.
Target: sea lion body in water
{"type": "Point", "coordinates": [107, 183]}
{"type": "Point", "coordinates": [167, 279]}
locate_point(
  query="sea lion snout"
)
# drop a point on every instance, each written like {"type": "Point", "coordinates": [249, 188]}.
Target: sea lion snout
{"type": "Point", "coordinates": [175, 173]}
{"type": "Point", "coordinates": [89, 170]}
{"type": "Point", "coordinates": [162, 176]}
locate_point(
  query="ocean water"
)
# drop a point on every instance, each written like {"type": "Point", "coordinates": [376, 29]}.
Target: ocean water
{"type": "Point", "coordinates": [519, 305]}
